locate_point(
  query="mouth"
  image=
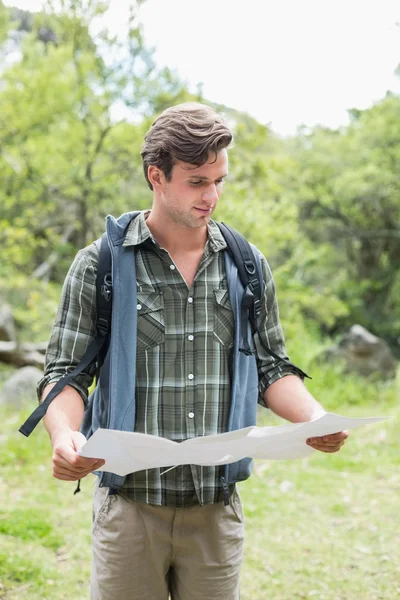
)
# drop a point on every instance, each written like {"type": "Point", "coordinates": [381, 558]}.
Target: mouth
{"type": "Point", "coordinates": [204, 211]}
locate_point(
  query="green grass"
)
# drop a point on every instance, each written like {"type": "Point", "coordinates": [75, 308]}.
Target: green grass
{"type": "Point", "coordinates": [325, 527]}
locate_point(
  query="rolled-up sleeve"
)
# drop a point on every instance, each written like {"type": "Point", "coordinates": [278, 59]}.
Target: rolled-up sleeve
{"type": "Point", "coordinates": [271, 333]}
{"type": "Point", "coordinates": [74, 326]}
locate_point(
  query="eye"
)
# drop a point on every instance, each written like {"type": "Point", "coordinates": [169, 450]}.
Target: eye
{"type": "Point", "coordinates": [196, 183]}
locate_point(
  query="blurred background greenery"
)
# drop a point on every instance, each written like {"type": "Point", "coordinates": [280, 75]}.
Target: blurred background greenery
{"type": "Point", "coordinates": [324, 207]}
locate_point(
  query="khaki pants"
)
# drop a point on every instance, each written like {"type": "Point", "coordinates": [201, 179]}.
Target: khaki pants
{"type": "Point", "coordinates": [147, 552]}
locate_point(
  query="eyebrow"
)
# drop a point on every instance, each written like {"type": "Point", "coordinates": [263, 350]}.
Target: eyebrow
{"type": "Point", "coordinates": [203, 178]}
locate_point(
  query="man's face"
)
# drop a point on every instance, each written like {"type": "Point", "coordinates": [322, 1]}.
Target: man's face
{"type": "Point", "coordinates": [191, 196]}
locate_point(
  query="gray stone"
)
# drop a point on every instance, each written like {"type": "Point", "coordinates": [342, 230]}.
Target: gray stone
{"type": "Point", "coordinates": [20, 388]}
{"type": "Point", "coordinates": [363, 353]}
{"type": "Point", "coordinates": [7, 325]}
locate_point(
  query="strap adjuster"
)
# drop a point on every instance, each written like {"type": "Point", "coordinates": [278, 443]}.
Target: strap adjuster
{"type": "Point", "coordinates": [257, 307]}
{"type": "Point", "coordinates": [103, 326]}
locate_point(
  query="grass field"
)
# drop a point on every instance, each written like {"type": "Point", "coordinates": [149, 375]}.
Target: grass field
{"type": "Point", "coordinates": [326, 527]}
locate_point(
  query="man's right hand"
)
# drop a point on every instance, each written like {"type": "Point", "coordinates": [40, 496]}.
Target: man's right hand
{"type": "Point", "coordinates": [67, 464]}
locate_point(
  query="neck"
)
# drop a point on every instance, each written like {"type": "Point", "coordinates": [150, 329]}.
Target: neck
{"type": "Point", "coordinates": [175, 237]}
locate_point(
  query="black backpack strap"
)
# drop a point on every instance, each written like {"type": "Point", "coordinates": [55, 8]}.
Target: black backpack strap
{"type": "Point", "coordinates": [251, 278]}
{"type": "Point", "coordinates": [245, 262]}
{"type": "Point", "coordinates": [103, 325]}
{"type": "Point", "coordinates": [103, 299]}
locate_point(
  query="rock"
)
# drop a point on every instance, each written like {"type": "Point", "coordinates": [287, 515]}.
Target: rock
{"type": "Point", "coordinates": [363, 353]}
{"type": "Point", "coordinates": [7, 325]}
{"type": "Point", "coordinates": [26, 355]}
{"type": "Point", "coordinates": [20, 388]}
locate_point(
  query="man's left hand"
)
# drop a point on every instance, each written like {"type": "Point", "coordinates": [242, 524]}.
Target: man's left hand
{"type": "Point", "coordinates": [329, 443]}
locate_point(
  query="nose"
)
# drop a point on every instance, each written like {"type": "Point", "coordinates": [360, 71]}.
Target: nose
{"type": "Point", "coordinates": [210, 194]}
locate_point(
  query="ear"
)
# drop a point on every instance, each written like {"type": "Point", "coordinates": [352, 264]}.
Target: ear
{"type": "Point", "coordinates": [155, 176]}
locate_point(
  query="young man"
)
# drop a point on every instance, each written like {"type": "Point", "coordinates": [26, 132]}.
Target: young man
{"type": "Point", "coordinates": [172, 370]}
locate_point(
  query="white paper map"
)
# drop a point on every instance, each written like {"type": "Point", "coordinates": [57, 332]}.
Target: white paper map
{"type": "Point", "coordinates": [126, 452]}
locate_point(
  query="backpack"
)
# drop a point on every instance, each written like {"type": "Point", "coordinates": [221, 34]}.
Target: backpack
{"type": "Point", "coordinates": [252, 281]}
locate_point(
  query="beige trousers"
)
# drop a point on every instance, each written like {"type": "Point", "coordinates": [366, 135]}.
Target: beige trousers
{"type": "Point", "coordinates": [147, 552]}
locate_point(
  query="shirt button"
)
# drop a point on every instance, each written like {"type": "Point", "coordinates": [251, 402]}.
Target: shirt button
{"type": "Point", "coordinates": [190, 299]}
{"type": "Point", "coordinates": [172, 267]}
{"type": "Point", "coordinates": [139, 306]}
{"type": "Point", "coordinates": [190, 338]}
{"type": "Point", "coordinates": [191, 415]}
{"type": "Point", "coordinates": [191, 376]}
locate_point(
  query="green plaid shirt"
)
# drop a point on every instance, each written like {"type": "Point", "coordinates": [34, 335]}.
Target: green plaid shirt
{"type": "Point", "coordinates": [181, 331]}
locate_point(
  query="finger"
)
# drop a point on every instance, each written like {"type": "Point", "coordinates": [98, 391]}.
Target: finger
{"type": "Point", "coordinates": [68, 475]}
{"type": "Point", "coordinates": [327, 447]}
{"type": "Point", "coordinates": [67, 469]}
{"type": "Point", "coordinates": [325, 444]}
{"type": "Point", "coordinates": [62, 463]}
{"type": "Point", "coordinates": [76, 467]}
{"type": "Point", "coordinates": [68, 456]}
{"type": "Point", "coordinates": [325, 441]}
{"type": "Point", "coordinates": [322, 442]}
{"type": "Point", "coordinates": [67, 478]}
{"type": "Point", "coordinates": [340, 435]}
{"type": "Point", "coordinates": [61, 472]}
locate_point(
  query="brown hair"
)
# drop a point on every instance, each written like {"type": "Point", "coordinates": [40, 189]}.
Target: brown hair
{"type": "Point", "coordinates": [188, 132]}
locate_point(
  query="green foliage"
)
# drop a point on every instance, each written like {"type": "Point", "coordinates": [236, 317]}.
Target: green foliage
{"type": "Point", "coordinates": [67, 157]}
{"type": "Point", "coordinates": [34, 303]}
{"type": "Point", "coordinates": [323, 207]}
{"type": "Point", "coordinates": [349, 196]}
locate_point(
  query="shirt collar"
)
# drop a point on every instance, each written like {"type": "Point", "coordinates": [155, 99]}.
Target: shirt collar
{"type": "Point", "coordinates": [215, 238]}
{"type": "Point", "coordinates": [138, 232]}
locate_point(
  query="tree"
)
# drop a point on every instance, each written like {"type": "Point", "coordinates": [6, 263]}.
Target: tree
{"type": "Point", "coordinates": [349, 194]}
{"type": "Point", "coordinates": [73, 111]}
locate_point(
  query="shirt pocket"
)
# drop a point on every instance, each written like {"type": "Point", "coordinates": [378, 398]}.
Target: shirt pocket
{"type": "Point", "coordinates": [224, 322]}
{"type": "Point", "coordinates": [151, 323]}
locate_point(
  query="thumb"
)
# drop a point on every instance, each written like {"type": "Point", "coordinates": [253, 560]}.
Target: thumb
{"type": "Point", "coordinates": [78, 440]}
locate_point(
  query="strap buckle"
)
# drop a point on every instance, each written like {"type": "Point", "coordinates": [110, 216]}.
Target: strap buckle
{"type": "Point", "coordinates": [250, 267]}
{"type": "Point", "coordinates": [107, 287]}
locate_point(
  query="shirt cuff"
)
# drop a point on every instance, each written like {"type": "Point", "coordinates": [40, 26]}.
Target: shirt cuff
{"type": "Point", "coordinates": [82, 391]}
{"type": "Point", "coordinates": [277, 373]}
